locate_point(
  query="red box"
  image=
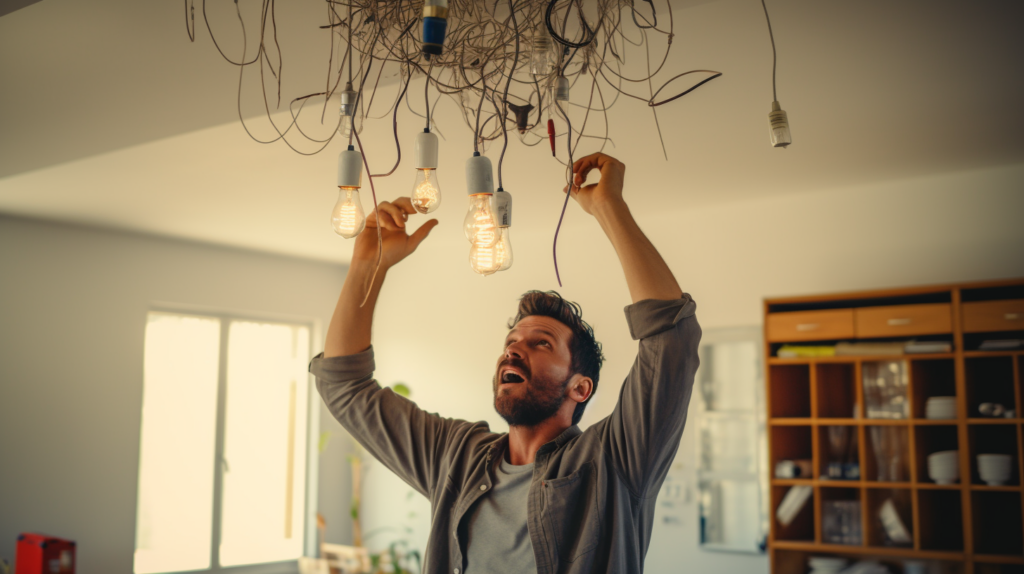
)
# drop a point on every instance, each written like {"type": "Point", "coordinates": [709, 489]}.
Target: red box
{"type": "Point", "coordinates": [39, 554]}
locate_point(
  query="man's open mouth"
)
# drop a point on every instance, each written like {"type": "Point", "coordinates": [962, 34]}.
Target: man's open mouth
{"type": "Point", "coordinates": [511, 377]}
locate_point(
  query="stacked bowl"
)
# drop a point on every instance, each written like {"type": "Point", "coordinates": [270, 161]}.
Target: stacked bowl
{"type": "Point", "coordinates": [995, 469]}
{"type": "Point", "coordinates": [944, 466]}
{"type": "Point", "coordinates": [826, 564]}
{"type": "Point", "coordinates": [940, 408]}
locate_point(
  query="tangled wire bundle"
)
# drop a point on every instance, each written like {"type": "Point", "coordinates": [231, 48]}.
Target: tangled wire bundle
{"type": "Point", "coordinates": [498, 57]}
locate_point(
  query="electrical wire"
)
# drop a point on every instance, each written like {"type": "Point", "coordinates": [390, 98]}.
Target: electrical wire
{"type": "Point", "coordinates": [775, 96]}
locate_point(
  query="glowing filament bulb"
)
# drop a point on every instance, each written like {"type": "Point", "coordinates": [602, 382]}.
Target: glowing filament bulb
{"type": "Point", "coordinates": [503, 249]}
{"type": "Point", "coordinates": [485, 259]}
{"type": "Point", "coordinates": [480, 226]}
{"type": "Point", "coordinates": [347, 218]}
{"type": "Point", "coordinates": [426, 193]}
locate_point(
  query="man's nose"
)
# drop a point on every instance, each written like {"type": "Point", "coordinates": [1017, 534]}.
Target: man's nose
{"type": "Point", "coordinates": [513, 350]}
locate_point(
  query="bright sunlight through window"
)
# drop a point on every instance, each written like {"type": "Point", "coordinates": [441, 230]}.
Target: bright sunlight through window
{"type": "Point", "coordinates": [262, 476]}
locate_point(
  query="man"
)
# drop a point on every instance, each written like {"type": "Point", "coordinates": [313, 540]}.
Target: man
{"type": "Point", "coordinates": [545, 497]}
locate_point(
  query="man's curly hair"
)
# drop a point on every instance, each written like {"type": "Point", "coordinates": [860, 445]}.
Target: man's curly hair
{"type": "Point", "coordinates": [583, 347]}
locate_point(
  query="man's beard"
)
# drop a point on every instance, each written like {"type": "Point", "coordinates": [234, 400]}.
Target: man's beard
{"type": "Point", "coordinates": [541, 402]}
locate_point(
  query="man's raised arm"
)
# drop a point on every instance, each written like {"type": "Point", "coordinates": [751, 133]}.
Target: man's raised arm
{"type": "Point", "coordinates": [647, 274]}
{"type": "Point", "coordinates": [642, 434]}
{"type": "Point", "coordinates": [349, 332]}
{"type": "Point", "coordinates": [393, 429]}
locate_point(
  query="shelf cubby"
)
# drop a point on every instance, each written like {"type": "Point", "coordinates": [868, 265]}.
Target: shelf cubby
{"type": "Point", "coordinates": [836, 391]}
{"type": "Point", "coordinates": [996, 523]}
{"type": "Point", "coordinates": [994, 439]}
{"type": "Point", "coordinates": [790, 442]}
{"type": "Point", "coordinates": [940, 519]}
{"type": "Point", "coordinates": [930, 378]}
{"type": "Point", "coordinates": [838, 453]}
{"type": "Point", "coordinates": [930, 439]}
{"type": "Point", "coordinates": [886, 453]}
{"type": "Point", "coordinates": [902, 505]}
{"type": "Point", "coordinates": [802, 527]}
{"type": "Point", "coordinates": [790, 390]}
{"type": "Point", "coordinates": [989, 380]}
{"type": "Point", "coordinates": [835, 502]}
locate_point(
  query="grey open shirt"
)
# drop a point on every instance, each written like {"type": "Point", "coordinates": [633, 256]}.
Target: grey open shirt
{"type": "Point", "coordinates": [592, 497]}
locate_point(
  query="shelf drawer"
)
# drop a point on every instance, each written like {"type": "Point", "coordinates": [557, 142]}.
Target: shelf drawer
{"type": "Point", "coordinates": [901, 320]}
{"type": "Point", "coordinates": [810, 325]}
{"type": "Point", "coordinates": [994, 316]}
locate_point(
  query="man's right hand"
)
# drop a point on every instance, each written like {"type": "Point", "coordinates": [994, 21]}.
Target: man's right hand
{"type": "Point", "coordinates": [398, 244]}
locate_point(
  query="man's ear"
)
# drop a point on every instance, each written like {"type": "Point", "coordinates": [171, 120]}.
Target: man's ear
{"type": "Point", "coordinates": [580, 388]}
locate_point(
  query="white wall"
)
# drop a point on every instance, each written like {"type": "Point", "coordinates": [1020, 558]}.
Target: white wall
{"type": "Point", "coordinates": [439, 328]}
{"type": "Point", "coordinates": [73, 304]}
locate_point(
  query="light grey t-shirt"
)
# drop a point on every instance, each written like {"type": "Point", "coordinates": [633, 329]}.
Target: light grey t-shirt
{"type": "Point", "coordinates": [498, 539]}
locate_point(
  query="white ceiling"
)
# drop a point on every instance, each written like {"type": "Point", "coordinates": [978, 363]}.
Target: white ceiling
{"type": "Point", "coordinates": [110, 116]}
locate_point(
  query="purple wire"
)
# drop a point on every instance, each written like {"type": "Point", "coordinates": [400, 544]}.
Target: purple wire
{"type": "Point", "coordinates": [568, 192]}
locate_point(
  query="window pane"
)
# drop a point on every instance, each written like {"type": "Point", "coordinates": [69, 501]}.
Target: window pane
{"type": "Point", "coordinates": [265, 443]}
{"type": "Point", "coordinates": [179, 410]}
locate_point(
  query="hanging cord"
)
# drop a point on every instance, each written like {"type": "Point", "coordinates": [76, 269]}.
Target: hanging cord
{"type": "Point", "coordinates": [394, 124]}
{"type": "Point", "coordinates": [504, 97]}
{"type": "Point", "coordinates": [568, 191]}
{"type": "Point", "coordinates": [380, 235]}
{"type": "Point", "coordinates": [483, 96]}
{"type": "Point", "coordinates": [426, 91]}
{"type": "Point", "coordinates": [190, 13]}
{"type": "Point", "coordinates": [775, 97]}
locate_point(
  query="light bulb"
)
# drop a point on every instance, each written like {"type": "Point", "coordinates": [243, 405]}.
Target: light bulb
{"type": "Point", "coordinates": [426, 193]}
{"type": "Point", "coordinates": [485, 259]}
{"type": "Point", "coordinates": [345, 127]}
{"type": "Point", "coordinates": [778, 123]}
{"type": "Point", "coordinates": [480, 226]}
{"type": "Point", "coordinates": [542, 59]}
{"type": "Point", "coordinates": [347, 110]}
{"type": "Point", "coordinates": [503, 249]}
{"type": "Point", "coordinates": [348, 218]}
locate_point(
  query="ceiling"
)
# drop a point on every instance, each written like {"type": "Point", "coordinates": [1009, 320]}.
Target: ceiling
{"type": "Point", "coordinates": [111, 116]}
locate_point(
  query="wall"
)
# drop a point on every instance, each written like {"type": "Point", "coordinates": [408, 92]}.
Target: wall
{"type": "Point", "coordinates": [439, 328]}
{"type": "Point", "coordinates": [73, 304]}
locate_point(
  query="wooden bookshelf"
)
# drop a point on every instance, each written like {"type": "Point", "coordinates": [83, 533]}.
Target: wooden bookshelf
{"type": "Point", "coordinates": [968, 527]}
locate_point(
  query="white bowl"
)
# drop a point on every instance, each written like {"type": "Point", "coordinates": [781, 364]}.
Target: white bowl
{"type": "Point", "coordinates": [943, 466]}
{"type": "Point", "coordinates": [995, 469]}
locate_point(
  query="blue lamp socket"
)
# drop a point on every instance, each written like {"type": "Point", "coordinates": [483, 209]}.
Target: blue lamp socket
{"type": "Point", "coordinates": [433, 35]}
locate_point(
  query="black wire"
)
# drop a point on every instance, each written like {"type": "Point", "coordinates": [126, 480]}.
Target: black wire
{"type": "Point", "coordinates": [775, 96]}
{"type": "Point", "coordinates": [654, 15]}
{"type": "Point", "coordinates": [588, 34]}
{"type": "Point", "coordinates": [568, 192]}
{"type": "Point", "coordinates": [504, 97]}
{"type": "Point", "coordinates": [426, 94]}
{"type": "Point", "coordinates": [394, 122]}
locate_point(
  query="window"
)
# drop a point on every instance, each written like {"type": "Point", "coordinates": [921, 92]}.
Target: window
{"type": "Point", "coordinates": [732, 444]}
{"type": "Point", "coordinates": [222, 465]}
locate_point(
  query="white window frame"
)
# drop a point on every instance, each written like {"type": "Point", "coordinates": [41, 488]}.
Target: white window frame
{"type": "Point", "coordinates": [309, 531]}
{"type": "Point", "coordinates": [710, 338]}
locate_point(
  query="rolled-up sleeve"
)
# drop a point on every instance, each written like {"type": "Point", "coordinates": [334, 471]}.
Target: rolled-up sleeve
{"type": "Point", "coordinates": [643, 432]}
{"type": "Point", "coordinates": [393, 429]}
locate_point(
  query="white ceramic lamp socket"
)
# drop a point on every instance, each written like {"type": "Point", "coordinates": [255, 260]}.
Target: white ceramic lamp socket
{"type": "Point", "coordinates": [778, 123]}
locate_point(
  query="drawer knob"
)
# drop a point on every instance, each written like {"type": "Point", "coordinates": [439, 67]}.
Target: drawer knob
{"type": "Point", "coordinates": [898, 322]}
{"type": "Point", "coordinates": [1011, 316]}
{"type": "Point", "coordinates": [807, 326]}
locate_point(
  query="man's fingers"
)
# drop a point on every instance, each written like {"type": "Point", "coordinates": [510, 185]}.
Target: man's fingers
{"type": "Point", "coordinates": [394, 213]}
{"type": "Point", "coordinates": [405, 204]}
{"type": "Point", "coordinates": [420, 234]}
